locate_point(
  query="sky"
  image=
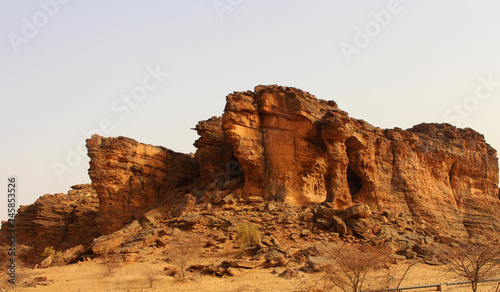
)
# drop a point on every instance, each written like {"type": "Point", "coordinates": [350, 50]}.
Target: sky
{"type": "Point", "coordinates": [150, 70]}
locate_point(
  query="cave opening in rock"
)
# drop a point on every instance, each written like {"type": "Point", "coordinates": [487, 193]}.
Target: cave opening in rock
{"type": "Point", "coordinates": [353, 181]}
{"type": "Point", "coordinates": [451, 173]}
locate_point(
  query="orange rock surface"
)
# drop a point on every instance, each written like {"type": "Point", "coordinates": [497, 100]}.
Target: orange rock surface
{"type": "Point", "coordinates": [294, 147]}
{"type": "Point", "coordinates": [131, 177]}
{"type": "Point", "coordinates": [280, 143]}
{"type": "Point", "coordinates": [61, 221]}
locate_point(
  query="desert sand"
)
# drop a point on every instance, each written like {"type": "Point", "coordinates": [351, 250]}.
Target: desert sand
{"type": "Point", "coordinates": [93, 276]}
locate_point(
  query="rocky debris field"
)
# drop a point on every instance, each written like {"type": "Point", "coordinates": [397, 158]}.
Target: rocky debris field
{"type": "Point", "coordinates": [289, 243]}
{"type": "Point", "coordinates": [289, 235]}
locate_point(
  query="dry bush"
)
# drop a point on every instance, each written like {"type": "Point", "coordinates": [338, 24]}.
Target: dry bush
{"type": "Point", "coordinates": [151, 274]}
{"type": "Point", "coordinates": [182, 250]}
{"type": "Point", "coordinates": [247, 235]}
{"type": "Point", "coordinates": [56, 256]}
{"type": "Point", "coordinates": [110, 265]}
{"type": "Point", "coordinates": [350, 265]}
{"type": "Point", "coordinates": [474, 262]}
{"type": "Point", "coordinates": [58, 259]}
{"type": "Point", "coordinates": [49, 251]}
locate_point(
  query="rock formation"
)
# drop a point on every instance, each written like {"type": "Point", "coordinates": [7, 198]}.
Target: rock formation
{"type": "Point", "coordinates": [281, 144]}
{"type": "Point", "coordinates": [296, 148]}
{"type": "Point", "coordinates": [131, 178]}
{"type": "Point", "coordinates": [215, 154]}
{"type": "Point", "coordinates": [60, 220]}
{"type": "Point", "coordinates": [275, 135]}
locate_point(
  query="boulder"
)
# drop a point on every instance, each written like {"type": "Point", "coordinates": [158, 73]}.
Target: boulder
{"type": "Point", "coordinates": [189, 220]}
{"type": "Point", "coordinates": [425, 251]}
{"type": "Point", "coordinates": [318, 263]}
{"type": "Point", "coordinates": [47, 262]}
{"type": "Point", "coordinates": [235, 271]}
{"type": "Point", "coordinates": [289, 274]}
{"type": "Point", "coordinates": [246, 264]}
{"type": "Point", "coordinates": [388, 232]}
{"type": "Point", "coordinates": [339, 226]}
{"type": "Point", "coordinates": [71, 255]}
{"type": "Point", "coordinates": [325, 212]}
{"type": "Point", "coordinates": [255, 199]}
{"type": "Point", "coordinates": [361, 227]}
{"type": "Point", "coordinates": [131, 257]}
{"type": "Point", "coordinates": [274, 258]}
{"type": "Point", "coordinates": [357, 211]}
{"type": "Point", "coordinates": [107, 244]}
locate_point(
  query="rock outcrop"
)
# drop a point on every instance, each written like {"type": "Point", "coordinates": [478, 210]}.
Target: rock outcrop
{"type": "Point", "coordinates": [294, 147]}
{"type": "Point", "coordinates": [61, 220]}
{"type": "Point", "coordinates": [215, 154]}
{"type": "Point", "coordinates": [132, 178]}
{"type": "Point", "coordinates": [279, 144]}
{"type": "Point", "coordinates": [275, 135]}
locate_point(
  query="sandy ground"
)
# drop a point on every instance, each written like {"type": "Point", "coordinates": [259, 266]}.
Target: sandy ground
{"type": "Point", "coordinates": [93, 276]}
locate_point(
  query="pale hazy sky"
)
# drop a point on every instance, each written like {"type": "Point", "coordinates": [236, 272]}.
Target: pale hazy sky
{"type": "Point", "coordinates": [69, 68]}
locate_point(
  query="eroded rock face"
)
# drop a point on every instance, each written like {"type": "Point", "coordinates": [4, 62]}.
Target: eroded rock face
{"type": "Point", "coordinates": [60, 220]}
{"type": "Point", "coordinates": [132, 178]}
{"type": "Point", "coordinates": [282, 144]}
{"type": "Point", "coordinates": [215, 154]}
{"type": "Point", "coordinates": [275, 135]}
{"type": "Point", "coordinates": [294, 147]}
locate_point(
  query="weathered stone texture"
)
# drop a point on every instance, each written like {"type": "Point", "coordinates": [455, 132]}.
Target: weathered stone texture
{"type": "Point", "coordinates": [294, 147]}
{"type": "Point", "coordinates": [131, 178]}
{"type": "Point", "coordinates": [60, 220]}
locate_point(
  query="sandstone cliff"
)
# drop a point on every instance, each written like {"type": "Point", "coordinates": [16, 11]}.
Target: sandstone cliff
{"type": "Point", "coordinates": [60, 220]}
{"type": "Point", "coordinates": [281, 144]}
{"type": "Point", "coordinates": [131, 178]}
{"type": "Point", "coordinates": [294, 147]}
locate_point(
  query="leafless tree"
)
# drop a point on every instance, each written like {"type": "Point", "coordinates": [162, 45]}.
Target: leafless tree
{"type": "Point", "coordinates": [411, 263]}
{"type": "Point", "coordinates": [350, 265]}
{"type": "Point", "coordinates": [110, 265]}
{"type": "Point", "coordinates": [474, 262]}
{"type": "Point", "coordinates": [182, 250]}
{"type": "Point", "coordinates": [151, 274]}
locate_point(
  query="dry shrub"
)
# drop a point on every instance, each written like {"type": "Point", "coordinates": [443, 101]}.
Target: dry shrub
{"type": "Point", "coordinates": [58, 259]}
{"type": "Point", "coordinates": [474, 262]}
{"type": "Point", "coordinates": [110, 265]}
{"type": "Point", "coordinates": [49, 251]}
{"type": "Point", "coordinates": [350, 265]}
{"type": "Point", "coordinates": [247, 235]}
{"type": "Point", "coordinates": [182, 250]}
{"type": "Point", "coordinates": [151, 274]}
{"type": "Point", "coordinates": [56, 256]}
